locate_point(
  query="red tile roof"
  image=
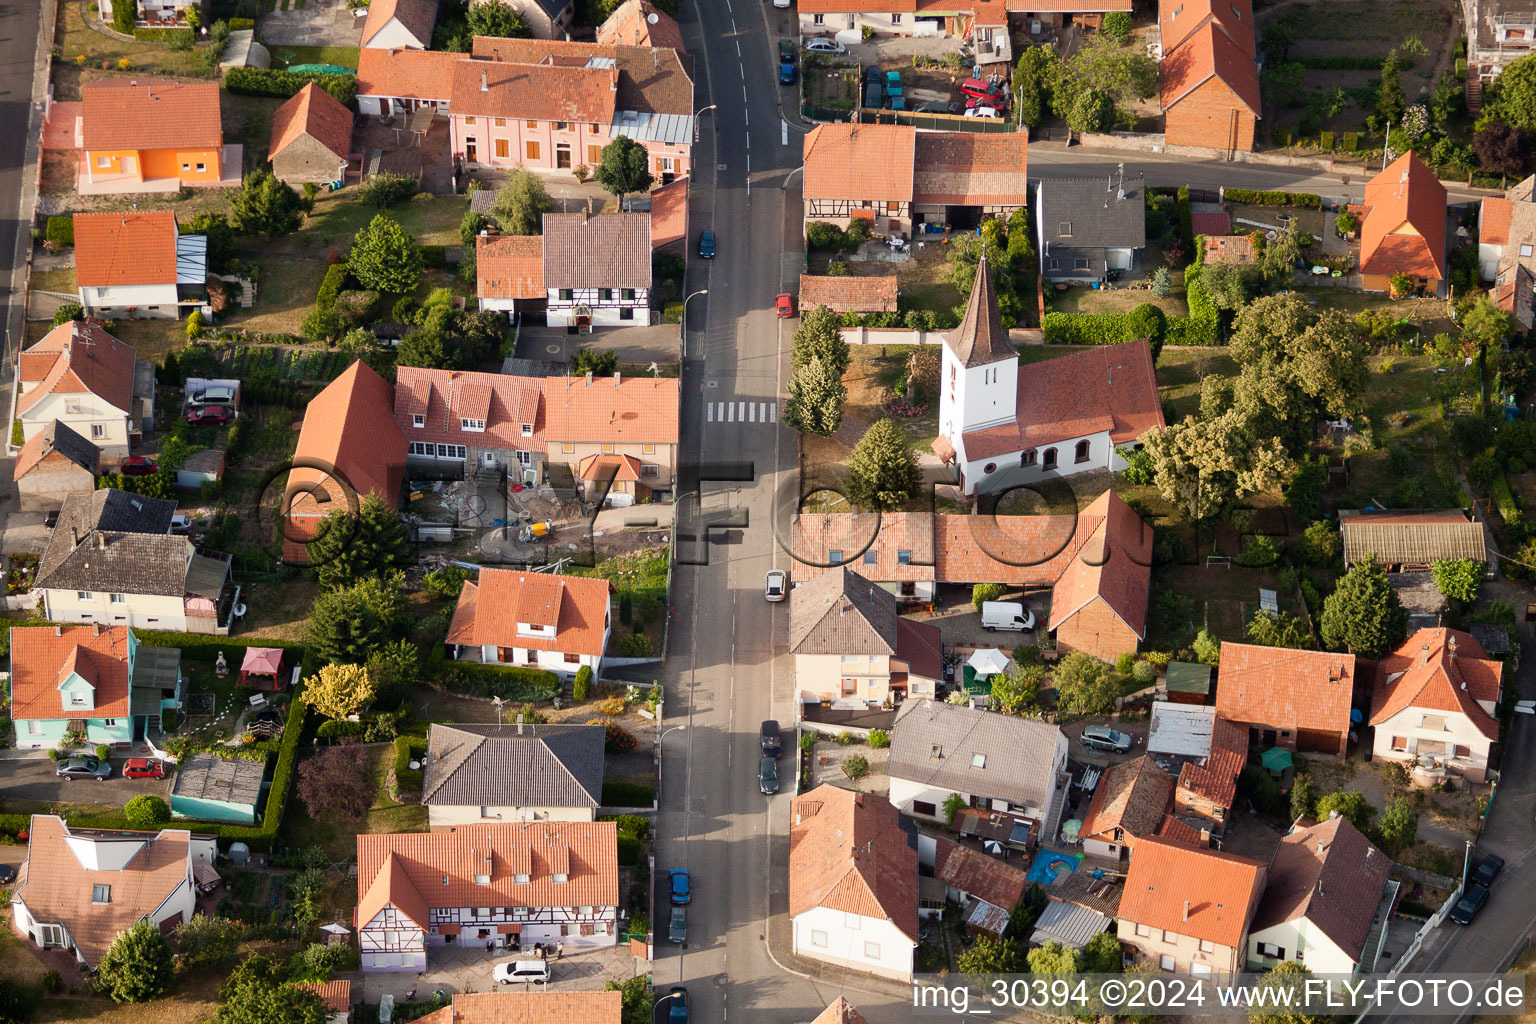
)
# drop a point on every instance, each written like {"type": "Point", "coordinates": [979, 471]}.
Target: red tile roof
{"type": "Point", "coordinates": [651, 79]}
{"type": "Point", "coordinates": [316, 113]}
{"type": "Point", "coordinates": [1178, 20]}
{"type": "Point", "coordinates": [337, 995]}
{"type": "Point", "coordinates": [1333, 876]}
{"type": "Point", "coordinates": [150, 113]}
{"type": "Point", "coordinates": [410, 74]}
{"type": "Point", "coordinates": [669, 213]}
{"type": "Point", "coordinates": [445, 398]}
{"type": "Point", "coordinates": [849, 294]}
{"type": "Point", "coordinates": [415, 16]}
{"type": "Point", "coordinates": [1115, 566]}
{"type": "Point", "coordinates": [544, 92]}
{"type": "Point", "coordinates": [1202, 893]}
{"type": "Point", "coordinates": [125, 248]}
{"type": "Point", "coordinates": [1211, 222]}
{"type": "Point", "coordinates": [1179, 831]}
{"type": "Point", "coordinates": [509, 267]}
{"type": "Point", "coordinates": [78, 358]}
{"type": "Point", "coordinates": [43, 657]}
{"type": "Point", "coordinates": [608, 467]}
{"type": "Point", "coordinates": [840, 1011]}
{"type": "Point", "coordinates": [1132, 797]}
{"type": "Point", "coordinates": [1216, 780]}
{"type": "Point", "coordinates": [530, 1008]}
{"type": "Point", "coordinates": [848, 852]}
{"type": "Point", "coordinates": [966, 169]}
{"type": "Point", "coordinates": [1228, 249]}
{"type": "Point", "coordinates": [858, 6]}
{"type": "Point", "coordinates": [1285, 689]}
{"type": "Point", "coordinates": [1210, 53]}
{"type": "Point", "coordinates": [611, 410]}
{"type": "Point", "coordinates": [640, 23]}
{"type": "Point", "coordinates": [920, 645]}
{"type": "Point", "coordinates": [859, 161]}
{"type": "Point", "coordinates": [978, 874]}
{"type": "Point", "coordinates": [1493, 228]}
{"type": "Point", "coordinates": [1404, 230]}
{"type": "Point", "coordinates": [488, 611]}
{"type": "Point", "coordinates": [1428, 673]}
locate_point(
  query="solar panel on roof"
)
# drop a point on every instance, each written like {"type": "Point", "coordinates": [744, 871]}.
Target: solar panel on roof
{"type": "Point", "coordinates": [1020, 833]}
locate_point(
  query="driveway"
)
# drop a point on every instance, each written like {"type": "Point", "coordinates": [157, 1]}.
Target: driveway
{"type": "Point", "coordinates": [659, 344]}
{"type": "Point", "coordinates": [32, 778]}
{"type": "Point", "coordinates": [24, 531]}
{"type": "Point", "coordinates": [468, 969]}
{"type": "Point", "coordinates": [320, 23]}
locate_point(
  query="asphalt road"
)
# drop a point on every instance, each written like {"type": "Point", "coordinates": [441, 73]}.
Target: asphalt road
{"type": "Point", "coordinates": [18, 54]}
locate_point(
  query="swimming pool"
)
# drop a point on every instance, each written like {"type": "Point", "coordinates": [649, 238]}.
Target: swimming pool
{"type": "Point", "coordinates": [1048, 863]}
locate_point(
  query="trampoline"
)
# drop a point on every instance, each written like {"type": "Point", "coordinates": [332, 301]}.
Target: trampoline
{"type": "Point", "coordinates": [1048, 862]}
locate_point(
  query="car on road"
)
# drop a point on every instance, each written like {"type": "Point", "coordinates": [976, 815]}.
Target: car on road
{"type": "Point", "coordinates": [1488, 870]}
{"type": "Point", "coordinates": [211, 415]}
{"type": "Point", "coordinates": [143, 768]}
{"type": "Point", "coordinates": [83, 768]}
{"type": "Point", "coordinates": [1102, 737]}
{"type": "Point", "coordinates": [784, 304]}
{"type": "Point", "coordinates": [181, 523]}
{"type": "Point", "coordinates": [1470, 905]}
{"type": "Point", "coordinates": [137, 465]}
{"type": "Point", "coordinates": [825, 46]}
{"type": "Point", "coordinates": [526, 971]}
{"type": "Point", "coordinates": [677, 1011]}
{"type": "Point", "coordinates": [7, 874]}
{"type": "Point", "coordinates": [786, 72]}
{"type": "Point", "coordinates": [776, 585]}
{"type": "Point", "coordinates": [681, 885]}
{"type": "Point", "coordinates": [707, 245]}
{"type": "Point", "coordinates": [768, 776]}
{"type": "Point", "coordinates": [769, 740]}
{"type": "Point", "coordinates": [677, 928]}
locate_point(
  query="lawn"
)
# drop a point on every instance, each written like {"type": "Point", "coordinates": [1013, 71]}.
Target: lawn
{"type": "Point", "coordinates": [75, 39]}
{"type": "Point", "coordinates": [339, 836]}
{"type": "Point", "coordinates": [1117, 300]}
{"type": "Point", "coordinates": [429, 219]}
{"type": "Point", "coordinates": [284, 296]}
{"type": "Point", "coordinates": [1180, 371]}
{"type": "Point", "coordinates": [871, 373]}
{"type": "Point", "coordinates": [278, 610]}
{"type": "Point", "coordinates": [61, 279]}
{"type": "Point", "coordinates": [1411, 431]}
{"type": "Point", "coordinates": [284, 56]}
{"type": "Point", "coordinates": [1188, 598]}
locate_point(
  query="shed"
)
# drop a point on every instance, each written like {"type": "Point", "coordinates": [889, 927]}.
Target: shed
{"type": "Point", "coordinates": [311, 137]}
{"type": "Point", "coordinates": [57, 462]}
{"type": "Point", "coordinates": [201, 467]}
{"type": "Point", "coordinates": [262, 668]}
{"type": "Point", "coordinates": [1412, 539]}
{"type": "Point", "coordinates": [213, 788]}
{"type": "Point", "coordinates": [1493, 638]}
{"type": "Point", "coordinates": [1069, 924]}
{"type": "Point", "coordinates": [1189, 682]}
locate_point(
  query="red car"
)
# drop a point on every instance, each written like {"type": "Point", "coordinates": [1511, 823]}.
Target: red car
{"type": "Point", "coordinates": [977, 88]}
{"type": "Point", "coordinates": [211, 415]}
{"type": "Point", "coordinates": [784, 305]}
{"type": "Point", "coordinates": [137, 465]}
{"type": "Point", "coordinates": [143, 768]}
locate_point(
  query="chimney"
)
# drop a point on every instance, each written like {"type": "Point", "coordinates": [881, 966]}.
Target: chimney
{"type": "Point", "coordinates": [618, 379]}
{"type": "Point", "coordinates": [101, 542]}
{"type": "Point", "coordinates": [58, 630]}
{"type": "Point", "coordinates": [485, 85]}
{"type": "Point", "coordinates": [95, 629]}
{"type": "Point", "coordinates": [519, 723]}
{"type": "Point", "coordinates": [1186, 910]}
{"type": "Point", "coordinates": [74, 533]}
{"type": "Point", "coordinates": [1424, 654]}
{"type": "Point", "coordinates": [1451, 643]}
{"type": "Point", "coordinates": [1321, 846]}
{"type": "Point", "coordinates": [589, 384]}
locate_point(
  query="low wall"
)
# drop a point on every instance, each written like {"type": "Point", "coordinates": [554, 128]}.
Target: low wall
{"type": "Point", "coordinates": [906, 336]}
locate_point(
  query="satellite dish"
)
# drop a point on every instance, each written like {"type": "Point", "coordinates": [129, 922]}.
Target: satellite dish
{"type": "Point", "coordinates": [652, 18]}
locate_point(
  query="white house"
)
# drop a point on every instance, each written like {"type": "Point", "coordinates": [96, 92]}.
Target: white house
{"type": "Point", "coordinates": [157, 13]}
{"type": "Point", "coordinates": [81, 376]}
{"type": "Point", "coordinates": [542, 620]}
{"type": "Point", "coordinates": [138, 264]}
{"type": "Point", "coordinates": [504, 883]}
{"type": "Point", "coordinates": [597, 269]}
{"type": "Point", "coordinates": [76, 891]}
{"type": "Point", "coordinates": [393, 23]}
{"type": "Point", "coordinates": [853, 882]}
{"type": "Point", "coordinates": [1327, 893]}
{"type": "Point", "coordinates": [1435, 705]}
{"type": "Point", "coordinates": [477, 773]}
{"type": "Point", "coordinates": [1002, 424]}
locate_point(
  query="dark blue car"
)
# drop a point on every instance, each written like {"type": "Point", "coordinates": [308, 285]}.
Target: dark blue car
{"type": "Point", "coordinates": [682, 888]}
{"type": "Point", "coordinates": [707, 245]}
{"type": "Point", "coordinates": [677, 1012]}
{"type": "Point", "coordinates": [786, 73]}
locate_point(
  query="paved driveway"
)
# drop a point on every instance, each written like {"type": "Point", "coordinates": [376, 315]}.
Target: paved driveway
{"type": "Point", "coordinates": [320, 23]}
{"type": "Point", "coordinates": [24, 532]}
{"type": "Point", "coordinates": [32, 778]}
{"type": "Point", "coordinates": [468, 969]}
{"type": "Point", "coordinates": [658, 344]}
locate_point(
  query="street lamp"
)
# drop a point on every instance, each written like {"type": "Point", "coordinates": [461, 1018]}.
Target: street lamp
{"type": "Point", "coordinates": [785, 186]}
{"type": "Point", "coordinates": [696, 115]}
{"type": "Point", "coordinates": [675, 994]}
{"type": "Point", "coordinates": [658, 769]}
{"type": "Point", "coordinates": [701, 291]}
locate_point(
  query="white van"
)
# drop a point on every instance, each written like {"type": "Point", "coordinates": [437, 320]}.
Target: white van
{"type": "Point", "coordinates": [513, 971]}
{"type": "Point", "coordinates": [1008, 615]}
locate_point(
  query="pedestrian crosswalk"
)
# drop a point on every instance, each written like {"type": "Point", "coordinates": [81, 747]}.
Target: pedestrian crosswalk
{"type": "Point", "coordinates": [741, 412]}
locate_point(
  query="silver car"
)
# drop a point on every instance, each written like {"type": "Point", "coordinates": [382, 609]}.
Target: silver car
{"type": "Point", "coordinates": [825, 46]}
{"type": "Point", "coordinates": [1102, 737]}
{"type": "Point", "coordinates": [776, 585]}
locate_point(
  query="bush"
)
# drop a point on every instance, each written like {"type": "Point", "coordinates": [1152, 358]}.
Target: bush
{"type": "Point", "coordinates": [282, 84]}
{"type": "Point", "coordinates": [61, 231]}
{"type": "Point", "coordinates": [981, 593]}
{"type": "Point", "coordinates": [103, 752]}
{"type": "Point", "coordinates": [879, 739]}
{"type": "Point", "coordinates": [856, 767]}
{"type": "Point", "coordinates": [357, 307]}
{"type": "Point", "coordinates": [628, 794]}
{"type": "Point", "coordinates": [1254, 197]}
{"type": "Point", "coordinates": [146, 811]}
{"type": "Point", "coordinates": [618, 740]}
{"type": "Point", "coordinates": [330, 286]}
{"type": "Point", "coordinates": [636, 645]}
{"type": "Point", "coordinates": [66, 312]}
{"type": "Point", "coordinates": [239, 24]}
{"type": "Point", "coordinates": [820, 234]}
{"type": "Point", "coordinates": [408, 749]}
{"type": "Point", "coordinates": [387, 189]}
{"type": "Point", "coordinates": [1144, 672]}
{"type": "Point", "coordinates": [581, 687]}
{"type": "Point", "coordinates": [1117, 26]}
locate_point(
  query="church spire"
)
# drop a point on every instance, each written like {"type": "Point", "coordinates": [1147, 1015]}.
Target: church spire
{"type": "Point", "coordinates": [980, 339]}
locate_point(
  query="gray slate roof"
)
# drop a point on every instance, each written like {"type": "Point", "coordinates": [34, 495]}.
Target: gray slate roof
{"type": "Point", "coordinates": [230, 781]}
{"type": "Point", "coordinates": [58, 437]}
{"type": "Point", "coordinates": [1098, 218]}
{"type": "Point", "coordinates": [118, 563]}
{"type": "Point", "coordinates": [490, 765]}
{"type": "Point", "coordinates": [155, 669]}
{"type": "Point", "coordinates": [841, 612]}
{"type": "Point", "coordinates": [112, 509]}
{"type": "Point", "coordinates": [1019, 752]}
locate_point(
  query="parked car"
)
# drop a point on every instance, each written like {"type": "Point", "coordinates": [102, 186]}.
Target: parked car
{"type": "Point", "coordinates": [825, 46]}
{"type": "Point", "coordinates": [994, 102]}
{"type": "Point", "coordinates": [707, 245]}
{"type": "Point", "coordinates": [211, 415]}
{"type": "Point", "coordinates": [976, 87]}
{"type": "Point", "coordinates": [682, 886]}
{"type": "Point", "coordinates": [1102, 737]}
{"type": "Point", "coordinates": [933, 107]}
{"type": "Point", "coordinates": [784, 304]}
{"type": "Point", "coordinates": [1488, 870]}
{"type": "Point", "coordinates": [527, 971]}
{"type": "Point", "coordinates": [51, 519]}
{"type": "Point", "coordinates": [786, 51]}
{"type": "Point", "coordinates": [982, 112]}
{"type": "Point", "coordinates": [776, 585]}
{"type": "Point", "coordinates": [181, 523]}
{"type": "Point", "coordinates": [677, 928]}
{"type": "Point", "coordinates": [769, 739]}
{"type": "Point", "coordinates": [874, 94]}
{"type": "Point", "coordinates": [137, 465]}
{"type": "Point", "coordinates": [1008, 615]}
{"type": "Point", "coordinates": [893, 83]}
{"type": "Point", "coordinates": [677, 1012]}
{"type": "Point", "coordinates": [84, 768]}
{"type": "Point", "coordinates": [213, 394]}
{"type": "Point", "coordinates": [143, 768]}
{"type": "Point", "coordinates": [1470, 905]}
{"type": "Point", "coordinates": [786, 72]}
{"type": "Point", "coordinates": [7, 874]}
{"type": "Point", "coordinates": [768, 776]}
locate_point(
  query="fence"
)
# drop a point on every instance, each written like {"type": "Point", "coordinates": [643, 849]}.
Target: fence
{"type": "Point", "coordinates": [1423, 933]}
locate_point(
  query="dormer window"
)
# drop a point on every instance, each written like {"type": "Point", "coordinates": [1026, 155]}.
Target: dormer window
{"type": "Point", "coordinates": [559, 878]}
{"type": "Point", "coordinates": [418, 420]}
{"type": "Point", "coordinates": [903, 558]}
{"type": "Point", "coordinates": [520, 879]}
{"type": "Point", "coordinates": [476, 425]}
{"type": "Point", "coordinates": [1064, 229]}
{"type": "Point", "coordinates": [936, 753]}
{"type": "Point", "coordinates": [527, 429]}
{"type": "Point", "coordinates": [445, 879]}
{"type": "Point", "coordinates": [101, 894]}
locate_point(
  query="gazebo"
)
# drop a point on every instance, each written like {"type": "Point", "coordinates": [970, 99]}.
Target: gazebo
{"type": "Point", "coordinates": [262, 668]}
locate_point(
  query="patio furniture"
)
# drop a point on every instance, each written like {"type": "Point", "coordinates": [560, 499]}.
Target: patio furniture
{"type": "Point", "coordinates": [262, 668]}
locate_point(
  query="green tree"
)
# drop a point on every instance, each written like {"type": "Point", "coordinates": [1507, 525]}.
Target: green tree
{"type": "Point", "coordinates": [215, 227]}
{"type": "Point", "coordinates": [1204, 466]}
{"type": "Point", "coordinates": [1102, 955]}
{"type": "Point", "coordinates": [1304, 491]}
{"type": "Point", "coordinates": [1390, 98]}
{"type": "Point", "coordinates": [1092, 112]}
{"type": "Point", "coordinates": [1303, 797]}
{"type": "Point", "coordinates": [953, 805]}
{"type": "Point", "coordinates": [1122, 74]}
{"type": "Point", "coordinates": [882, 470]}
{"type": "Point", "coordinates": [990, 956]}
{"type": "Point", "coordinates": [125, 14]}
{"type": "Point", "coordinates": [337, 691]}
{"type": "Point", "coordinates": [425, 349]}
{"type": "Point", "coordinates": [816, 397]}
{"type": "Point", "coordinates": [348, 624]}
{"type": "Point", "coordinates": [470, 226]}
{"type": "Point", "coordinates": [1229, 286]}
{"type": "Point", "coordinates": [316, 962]}
{"type": "Point", "coordinates": [1117, 25]}
{"type": "Point", "coordinates": [1459, 579]}
{"type": "Point", "coordinates": [147, 811]}
{"type": "Point", "coordinates": [384, 257]}
{"type": "Point", "coordinates": [1207, 648]}
{"type": "Point", "coordinates": [1349, 805]}
{"type": "Point", "coordinates": [68, 311]}
{"type": "Point", "coordinates": [137, 967]}
{"type": "Point", "coordinates": [1278, 629]}
{"type": "Point", "coordinates": [1288, 975]}
{"type": "Point", "coordinates": [258, 992]}
{"type": "Point", "coordinates": [1364, 615]}
{"type": "Point", "coordinates": [624, 168]}
{"type": "Point", "coordinates": [819, 337]}
{"type": "Point", "coordinates": [496, 18]}
{"type": "Point", "coordinates": [1034, 77]}
{"type": "Point", "coordinates": [1511, 98]}
{"type": "Point", "coordinates": [388, 189]}
{"type": "Point", "coordinates": [1398, 827]}
{"type": "Point", "coordinates": [1319, 545]}
{"type": "Point", "coordinates": [354, 545]}
{"type": "Point", "coordinates": [981, 593]}
{"type": "Point", "coordinates": [1018, 689]}
{"type": "Point", "coordinates": [1084, 685]}
{"type": "Point", "coordinates": [637, 999]}
{"type": "Point", "coordinates": [265, 206]}
{"type": "Point", "coordinates": [207, 940]}
{"type": "Point", "coordinates": [1054, 958]}
{"type": "Point", "coordinates": [521, 203]}
{"type": "Point", "coordinates": [1298, 365]}
{"type": "Point", "coordinates": [393, 668]}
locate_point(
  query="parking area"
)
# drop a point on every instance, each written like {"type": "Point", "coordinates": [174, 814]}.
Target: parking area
{"type": "Point", "coordinates": [961, 625]}
{"type": "Point", "coordinates": [24, 531]}
{"type": "Point", "coordinates": [455, 969]}
{"type": "Point", "coordinates": [658, 344]}
{"type": "Point", "coordinates": [317, 23]}
{"type": "Point", "coordinates": [32, 778]}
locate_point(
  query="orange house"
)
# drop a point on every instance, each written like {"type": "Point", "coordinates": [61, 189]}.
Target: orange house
{"type": "Point", "coordinates": [151, 135]}
{"type": "Point", "coordinates": [1404, 228]}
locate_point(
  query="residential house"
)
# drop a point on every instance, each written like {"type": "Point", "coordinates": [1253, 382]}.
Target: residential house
{"type": "Point", "coordinates": [853, 882]}
{"type": "Point", "coordinates": [350, 446]}
{"type": "Point", "coordinates": [1089, 227]}
{"type": "Point", "coordinates": [1506, 230]}
{"type": "Point", "coordinates": [112, 560]}
{"type": "Point", "coordinates": [639, 23]}
{"type": "Point", "coordinates": [460, 424]}
{"type": "Point", "coordinates": [80, 376]}
{"type": "Point", "coordinates": [850, 294]}
{"type": "Point", "coordinates": [401, 80]}
{"type": "Point", "coordinates": [1298, 700]}
{"type": "Point", "coordinates": [616, 433]}
{"type": "Point", "coordinates": [145, 134]}
{"type": "Point", "coordinates": [994, 762]}
{"type": "Point", "coordinates": [1129, 804]}
{"type": "Point", "coordinates": [531, 772]}
{"type": "Point", "coordinates": [597, 270]}
{"type": "Point", "coordinates": [547, 19]}
{"type": "Point", "coordinates": [852, 648]}
{"type": "Point", "coordinates": [77, 890]}
{"type": "Point", "coordinates": [98, 682]}
{"type": "Point", "coordinates": [1436, 704]}
{"type": "Point", "coordinates": [1207, 785]}
{"type": "Point", "coordinates": [544, 620]}
{"type": "Point", "coordinates": [1188, 909]}
{"type": "Point", "coordinates": [894, 177]}
{"type": "Point", "coordinates": [986, 887]}
{"type": "Point", "coordinates": [1078, 906]}
{"type": "Point", "coordinates": [208, 787]}
{"type": "Point", "coordinates": [311, 138]}
{"type": "Point", "coordinates": [55, 463]}
{"type": "Point", "coordinates": [1497, 32]}
{"type": "Point", "coordinates": [669, 216]}
{"type": "Point", "coordinates": [1514, 292]}
{"type": "Point", "coordinates": [982, 23]}
{"type": "Point", "coordinates": [399, 23]}
{"type": "Point", "coordinates": [336, 995]}
{"type": "Point", "coordinates": [1208, 78]}
{"type": "Point", "coordinates": [138, 264]}
{"type": "Point", "coordinates": [533, 1007]}
{"type": "Point", "coordinates": [1410, 540]}
{"type": "Point", "coordinates": [1328, 891]}
{"type": "Point", "coordinates": [154, 13]}
{"type": "Point", "coordinates": [1404, 228]}
{"type": "Point", "coordinates": [503, 883]}
{"type": "Point", "coordinates": [553, 106]}
{"type": "Point", "coordinates": [509, 273]}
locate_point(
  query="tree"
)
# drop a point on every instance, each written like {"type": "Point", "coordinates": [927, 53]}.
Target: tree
{"type": "Point", "coordinates": [1298, 365]}
{"type": "Point", "coordinates": [16, 1002]}
{"type": "Point", "coordinates": [470, 226]}
{"type": "Point", "coordinates": [125, 16]}
{"type": "Point", "coordinates": [1203, 466]}
{"type": "Point", "coordinates": [265, 206]}
{"type": "Point", "coordinates": [1034, 76]}
{"type": "Point", "coordinates": [1303, 797]}
{"type": "Point", "coordinates": [624, 168]}
{"type": "Point", "coordinates": [1398, 827]}
{"type": "Point", "coordinates": [1084, 685]}
{"type": "Point", "coordinates": [348, 624]}
{"type": "Point", "coordinates": [990, 956]}
{"type": "Point", "coordinates": [335, 783]}
{"type": "Point", "coordinates": [1092, 112]}
{"type": "Point", "coordinates": [636, 999]}
{"type": "Point", "coordinates": [258, 993]}
{"type": "Point", "coordinates": [1319, 545]}
{"type": "Point", "coordinates": [1162, 282]}
{"type": "Point", "coordinates": [1229, 285]}
{"type": "Point", "coordinates": [1102, 955]}
{"type": "Point", "coordinates": [425, 349]}
{"type": "Point", "coordinates": [1349, 805]}
{"type": "Point", "coordinates": [146, 811]}
{"type": "Point", "coordinates": [1500, 148]}
{"type": "Point", "coordinates": [1459, 579]}
{"type": "Point", "coordinates": [1511, 98]}
{"type": "Point", "coordinates": [521, 203]}
{"type": "Point", "coordinates": [981, 593]}
{"type": "Point", "coordinates": [882, 471]}
{"type": "Point", "coordinates": [1123, 74]}
{"type": "Point", "coordinates": [1346, 223]}
{"type": "Point", "coordinates": [387, 189]}
{"type": "Point", "coordinates": [1207, 648]}
{"type": "Point", "coordinates": [1390, 98]}
{"type": "Point", "coordinates": [496, 18]}
{"type": "Point", "coordinates": [337, 691]}
{"type": "Point", "coordinates": [215, 227]}
{"type": "Point", "coordinates": [816, 397]}
{"type": "Point", "coordinates": [68, 311]}
{"type": "Point", "coordinates": [1278, 629]}
{"type": "Point", "coordinates": [207, 940]}
{"type": "Point", "coordinates": [137, 967]}
{"type": "Point", "coordinates": [384, 257]}
{"type": "Point", "coordinates": [1117, 25]}
{"type": "Point", "coordinates": [819, 337]}
{"type": "Point", "coordinates": [316, 962]}
{"type": "Point", "coordinates": [393, 669]}
{"type": "Point", "coordinates": [966, 251]}
{"type": "Point", "coordinates": [1054, 958]}
{"type": "Point", "coordinates": [1018, 689]}
{"type": "Point", "coordinates": [1304, 491]}
{"type": "Point", "coordinates": [1364, 615]}
{"type": "Point", "coordinates": [1288, 976]}
{"type": "Point", "coordinates": [354, 545]}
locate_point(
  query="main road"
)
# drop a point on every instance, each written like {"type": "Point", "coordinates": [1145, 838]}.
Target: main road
{"type": "Point", "coordinates": [21, 50]}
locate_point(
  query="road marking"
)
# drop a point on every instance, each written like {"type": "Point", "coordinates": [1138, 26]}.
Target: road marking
{"type": "Point", "coordinates": [743, 407]}
{"type": "Point", "coordinates": [783, 133]}
{"type": "Point", "coordinates": [730, 412]}
{"type": "Point", "coordinates": [752, 412]}
{"type": "Point", "coordinates": [773, 412]}
{"type": "Point", "coordinates": [738, 48]}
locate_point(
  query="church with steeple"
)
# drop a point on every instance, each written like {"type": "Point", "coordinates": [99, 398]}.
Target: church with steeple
{"type": "Point", "coordinates": [1003, 423]}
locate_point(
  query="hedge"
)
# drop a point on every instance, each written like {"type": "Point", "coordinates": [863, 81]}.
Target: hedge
{"type": "Point", "coordinates": [330, 286]}
{"type": "Point", "coordinates": [282, 84]}
{"type": "Point", "coordinates": [1253, 197]}
{"type": "Point", "coordinates": [163, 35]}
{"type": "Point", "coordinates": [1337, 63]}
{"type": "Point", "coordinates": [240, 24]}
{"type": "Point", "coordinates": [1086, 328]}
{"type": "Point", "coordinates": [631, 851]}
{"type": "Point", "coordinates": [408, 749]}
{"type": "Point", "coordinates": [61, 231]}
{"type": "Point", "coordinates": [1186, 218]}
{"type": "Point", "coordinates": [628, 794]}
{"type": "Point", "coordinates": [1204, 320]}
{"type": "Point", "coordinates": [509, 682]}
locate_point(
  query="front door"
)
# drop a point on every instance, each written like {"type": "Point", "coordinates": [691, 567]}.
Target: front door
{"type": "Point", "coordinates": [563, 156]}
{"type": "Point", "coordinates": [470, 151]}
{"type": "Point", "coordinates": [489, 460]}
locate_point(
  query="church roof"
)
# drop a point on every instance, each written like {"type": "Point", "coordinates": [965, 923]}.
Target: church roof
{"type": "Point", "coordinates": [980, 339]}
